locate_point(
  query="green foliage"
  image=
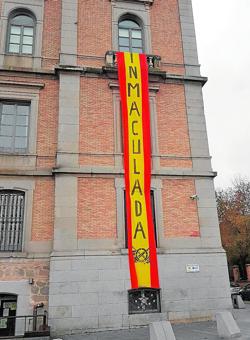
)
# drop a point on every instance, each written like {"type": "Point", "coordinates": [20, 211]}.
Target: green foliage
{"type": "Point", "coordinates": [234, 216]}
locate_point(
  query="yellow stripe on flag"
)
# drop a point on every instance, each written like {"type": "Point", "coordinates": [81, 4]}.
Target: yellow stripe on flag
{"type": "Point", "coordinates": [139, 222]}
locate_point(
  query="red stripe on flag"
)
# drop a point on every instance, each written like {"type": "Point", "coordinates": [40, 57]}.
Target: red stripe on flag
{"type": "Point", "coordinates": [147, 169]}
{"type": "Point", "coordinates": [123, 95]}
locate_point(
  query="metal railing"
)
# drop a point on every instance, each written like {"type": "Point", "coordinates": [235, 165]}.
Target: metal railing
{"type": "Point", "coordinates": [25, 325]}
{"type": "Point", "coordinates": [154, 61]}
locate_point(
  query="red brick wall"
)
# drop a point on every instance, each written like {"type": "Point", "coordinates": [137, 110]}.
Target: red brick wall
{"type": "Point", "coordinates": [176, 163]}
{"type": "Point", "coordinates": [91, 61]}
{"type": "Point", "coordinates": [43, 210]}
{"type": "Point", "coordinates": [51, 33]}
{"type": "Point", "coordinates": [94, 27]}
{"type": "Point", "coordinates": [180, 211]}
{"type": "Point", "coordinates": [96, 123]}
{"type": "Point", "coordinates": [23, 269]}
{"type": "Point", "coordinates": [166, 31]}
{"type": "Point", "coordinates": [172, 125]}
{"type": "Point", "coordinates": [47, 124]}
{"type": "Point", "coordinates": [96, 208]}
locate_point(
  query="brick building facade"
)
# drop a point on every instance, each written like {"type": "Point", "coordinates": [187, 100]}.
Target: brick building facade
{"type": "Point", "coordinates": [61, 163]}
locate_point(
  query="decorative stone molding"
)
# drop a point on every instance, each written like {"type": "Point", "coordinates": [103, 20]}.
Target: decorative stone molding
{"type": "Point", "coordinates": [21, 91]}
{"type": "Point", "coordinates": [137, 9]}
{"type": "Point", "coordinates": [22, 84]}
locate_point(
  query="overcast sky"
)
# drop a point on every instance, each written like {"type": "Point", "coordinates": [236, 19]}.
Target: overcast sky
{"type": "Point", "coordinates": [223, 37]}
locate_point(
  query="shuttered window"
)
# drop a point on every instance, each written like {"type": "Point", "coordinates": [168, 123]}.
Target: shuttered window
{"type": "Point", "coordinates": [11, 220]}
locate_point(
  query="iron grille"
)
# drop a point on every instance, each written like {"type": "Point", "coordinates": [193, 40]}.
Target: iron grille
{"type": "Point", "coordinates": [11, 220]}
{"type": "Point", "coordinates": [144, 300]}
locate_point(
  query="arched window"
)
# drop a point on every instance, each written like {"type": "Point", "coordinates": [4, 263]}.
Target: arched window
{"type": "Point", "coordinates": [11, 220]}
{"type": "Point", "coordinates": [21, 33]}
{"type": "Point", "coordinates": [130, 36]}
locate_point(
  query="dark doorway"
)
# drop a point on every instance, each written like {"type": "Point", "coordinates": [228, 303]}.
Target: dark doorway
{"type": "Point", "coordinates": [8, 305]}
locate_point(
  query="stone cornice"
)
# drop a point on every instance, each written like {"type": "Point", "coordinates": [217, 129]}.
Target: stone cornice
{"type": "Point", "coordinates": [117, 171]}
{"type": "Point", "coordinates": [122, 251]}
{"type": "Point", "coordinates": [156, 75]}
{"type": "Point", "coordinates": [22, 84]}
{"type": "Point", "coordinates": [105, 171]}
{"type": "Point", "coordinates": [20, 172]}
{"type": "Point", "coordinates": [18, 70]}
{"type": "Point", "coordinates": [148, 2]}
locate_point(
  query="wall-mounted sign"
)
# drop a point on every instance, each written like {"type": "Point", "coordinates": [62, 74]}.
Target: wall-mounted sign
{"type": "Point", "coordinates": [11, 305]}
{"type": "Point", "coordinates": [192, 268]}
{"type": "Point", "coordinates": [6, 312]}
{"type": "Point", "coordinates": [3, 323]}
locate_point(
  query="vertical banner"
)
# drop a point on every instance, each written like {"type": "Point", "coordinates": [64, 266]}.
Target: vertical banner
{"type": "Point", "coordinates": [133, 80]}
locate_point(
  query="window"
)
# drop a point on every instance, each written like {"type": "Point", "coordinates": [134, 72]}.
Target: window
{"type": "Point", "coordinates": [11, 220]}
{"type": "Point", "coordinates": [130, 36]}
{"type": "Point", "coordinates": [153, 215]}
{"type": "Point", "coordinates": [21, 33]}
{"type": "Point", "coordinates": [14, 122]}
{"type": "Point", "coordinates": [144, 300]}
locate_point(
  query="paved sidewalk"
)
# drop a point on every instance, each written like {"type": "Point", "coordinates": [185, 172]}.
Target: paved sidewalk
{"type": "Point", "coordinates": [242, 317]}
{"type": "Point", "coordinates": [192, 331]}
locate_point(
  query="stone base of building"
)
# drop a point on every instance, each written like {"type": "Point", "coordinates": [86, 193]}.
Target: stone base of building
{"type": "Point", "coordinates": [90, 292]}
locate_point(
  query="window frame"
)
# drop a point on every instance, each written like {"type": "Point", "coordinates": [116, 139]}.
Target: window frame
{"type": "Point", "coordinates": [29, 92]}
{"type": "Point", "coordinates": [122, 9]}
{"type": "Point", "coordinates": [138, 22]}
{"type": "Point", "coordinates": [11, 16]}
{"type": "Point", "coordinates": [28, 187]}
{"type": "Point", "coordinates": [19, 246]}
{"type": "Point", "coordinates": [14, 150]}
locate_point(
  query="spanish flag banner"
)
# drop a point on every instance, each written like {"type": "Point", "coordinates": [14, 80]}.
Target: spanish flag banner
{"type": "Point", "coordinates": [133, 81]}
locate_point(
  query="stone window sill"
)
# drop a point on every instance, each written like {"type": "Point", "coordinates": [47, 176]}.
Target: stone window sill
{"type": "Point", "coordinates": [9, 254]}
